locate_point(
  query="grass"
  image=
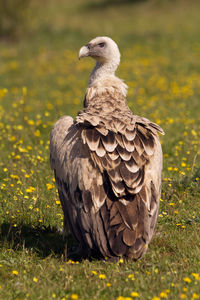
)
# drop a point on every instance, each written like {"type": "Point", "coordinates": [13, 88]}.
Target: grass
{"type": "Point", "coordinates": [41, 80]}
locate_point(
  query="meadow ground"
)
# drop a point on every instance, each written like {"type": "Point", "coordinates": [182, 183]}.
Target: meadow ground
{"type": "Point", "coordinates": [41, 79]}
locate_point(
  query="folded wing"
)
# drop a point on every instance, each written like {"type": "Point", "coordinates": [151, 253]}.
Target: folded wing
{"type": "Point", "coordinates": [109, 182]}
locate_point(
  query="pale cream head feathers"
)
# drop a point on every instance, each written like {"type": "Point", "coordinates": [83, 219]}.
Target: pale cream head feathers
{"type": "Point", "coordinates": [102, 49]}
{"type": "Point", "coordinates": [106, 53]}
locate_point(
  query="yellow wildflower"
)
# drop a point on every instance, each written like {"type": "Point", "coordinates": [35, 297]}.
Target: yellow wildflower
{"type": "Point", "coordinates": [37, 133]}
{"type": "Point", "coordinates": [131, 276]}
{"type": "Point", "coordinates": [94, 272]}
{"type": "Point", "coordinates": [30, 122]}
{"type": "Point", "coordinates": [74, 296]}
{"type": "Point", "coordinates": [196, 276]}
{"type": "Point", "coordinates": [24, 91]}
{"type": "Point", "coordinates": [195, 296]}
{"type": "Point", "coordinates": [108, 284]}
{"type": "Point", "coordinates": [187, 279]}
{"type": "Point", "coordinates": [134, 294]}
{"type": "Point", "coordinates": [49, 186]}
{"type": "Point", "coordinates": [30, 189]}
{"type": "Point", "coordinates": [15, 272]}
{"type": "Point", "coordinates": [163, 295]}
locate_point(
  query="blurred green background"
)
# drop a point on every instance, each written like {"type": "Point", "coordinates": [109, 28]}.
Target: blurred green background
{"type": "Point", "coordinates": [41, 80]}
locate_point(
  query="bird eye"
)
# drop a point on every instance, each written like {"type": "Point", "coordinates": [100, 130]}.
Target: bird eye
{"type": "Point", "coordinates": [101, 45]}
{"type": "Point", "coordinates": [88, 46]}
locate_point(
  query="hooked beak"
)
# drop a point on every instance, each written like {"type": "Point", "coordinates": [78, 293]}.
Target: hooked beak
{"type": "Point", "coordinates": [83, 52]}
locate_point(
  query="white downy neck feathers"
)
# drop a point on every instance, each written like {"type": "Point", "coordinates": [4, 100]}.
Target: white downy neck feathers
{"type": "Point", "coordinates": [106, 53]}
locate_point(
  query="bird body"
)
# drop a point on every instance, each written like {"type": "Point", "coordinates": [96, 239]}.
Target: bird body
{"type": "Point", "coordinates": [107, 164]}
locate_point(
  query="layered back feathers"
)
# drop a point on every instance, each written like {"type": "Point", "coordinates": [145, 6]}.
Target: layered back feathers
{"type": "Point", "coordinates": [107, 166]}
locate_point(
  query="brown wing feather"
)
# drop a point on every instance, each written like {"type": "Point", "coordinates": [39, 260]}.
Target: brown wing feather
{"type": "Point", "coordinates": [126, 159]}
{"type": "Point", "coordinates": [108, 176]}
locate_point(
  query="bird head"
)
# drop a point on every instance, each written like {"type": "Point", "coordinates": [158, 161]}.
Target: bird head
{"type": "Point", "coordinates": [102, 49]}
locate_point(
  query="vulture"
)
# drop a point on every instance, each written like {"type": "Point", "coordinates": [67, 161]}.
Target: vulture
{"type": "Point", "coordinates": [107, 164]}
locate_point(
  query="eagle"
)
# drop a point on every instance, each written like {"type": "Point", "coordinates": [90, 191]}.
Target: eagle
{"type": "Point", "coordinates": [107, 164]}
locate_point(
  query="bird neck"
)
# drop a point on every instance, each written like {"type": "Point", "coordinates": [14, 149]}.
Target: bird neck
{"type": "Point", "coordinates": [101, 70]}
{"type": "Point", "coordinates": [107, 84]}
